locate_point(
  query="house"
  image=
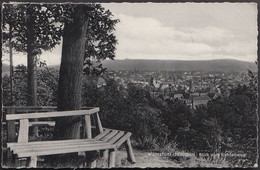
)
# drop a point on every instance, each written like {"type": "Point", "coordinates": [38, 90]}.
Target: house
{"type": "Point", "coordinates": [178, 96]}
{"type": "Point", "coordinates": [195, 94]}
{"type": "Point", "coordinates": [199, 100]}
{"type": "Point", "coordinates": [188, 101]}
{"type": "Point", "coordinates": [186, 95]}
{"type": "Point", "coordinates": [203, 94]}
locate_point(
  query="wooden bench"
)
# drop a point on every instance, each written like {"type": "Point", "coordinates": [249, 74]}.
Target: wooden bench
{"type": "Point", "coordinates": [107, 139]}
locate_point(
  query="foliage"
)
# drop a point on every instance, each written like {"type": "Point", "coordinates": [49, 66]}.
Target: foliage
{"type": "Point", "coordinates": [47, 23]}
{"type": "Point", "coordinates": [120, 109]}
{"type": "Point", "coordinates": [20, 84]}
{"type": "Point", "coordinates": [31, 28]}
{"type": "Point", "coordinates": [237, 116]}
{"type": "Point", "coordinates": [226, 124]}
{"type": "Point", "coordinates": [6, 90]}
{"type": "Point", "coordinates": [47, 86]}
{"type": "Point", "coordinates": [101, 41]}
{"type": "Point", "coordinates": [31, 23]}
{"type": "Point", "coordinates": [205, 162]}
{"type": "Point", "coordinates": [176, 115]}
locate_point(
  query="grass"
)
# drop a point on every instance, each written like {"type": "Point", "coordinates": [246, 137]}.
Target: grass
{"type": "Point", "coordinates": [171, 152]}
{"type": "Point", "coordinates": [208, 162]}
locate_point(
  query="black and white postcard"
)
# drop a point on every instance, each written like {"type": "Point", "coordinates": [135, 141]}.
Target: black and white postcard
{"type": "Point", "coordinates": [147, 84]}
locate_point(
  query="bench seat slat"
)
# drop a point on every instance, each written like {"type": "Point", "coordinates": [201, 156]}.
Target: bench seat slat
{"type": "Point", "coordinates": [115, 138]}
{"type": "Point", "coordinates": [109, 136]}
{"type": "Point", "coordinates": [51, 114]}
{"type": "Point", "coordinates": [47, 142]}
{"type": "Point", "coordinates": [101, 135]}
{"type": "Point", "coordinates": [67, 150]}
{"type": "Point", "coordinates": [123, 139]}
{"type": "Point", "coordinates": [57, 147]}
{"type": "Point", "coordinates": [53, 144]}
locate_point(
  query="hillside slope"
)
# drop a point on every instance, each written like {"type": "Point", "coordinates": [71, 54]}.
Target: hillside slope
{"type": "Point", "coordinates": [170, 65]}
{"type": "Point", "coordinates": [179, 65]}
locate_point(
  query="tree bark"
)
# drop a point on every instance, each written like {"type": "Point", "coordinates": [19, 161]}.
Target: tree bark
{"type": "Point", "coordinates": [31, 66]}
{"type": "Point", "coordinates": [32, 79]}
{"type": "Point", "coordinates": [71, 74]}
{"type": "Point", "coordinates": [11, 65]}
{"type": "Point", "coordinates": [31, 61]}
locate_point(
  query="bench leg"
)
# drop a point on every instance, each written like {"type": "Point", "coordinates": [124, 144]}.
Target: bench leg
{"type": "Point", "coordinates": [129, 150]}
{"type": "Point", "coordinates": [33, 162]}
{"type": "Point", "coordinates": [105, 155]}
{"type": "Point", "coordinates": [10, 159]}
{"type": "Point", "coordinates": [93, 164]}
{"type": "Point", "coordinates": [16, 162]}
{"type": "Point", "coordinates": [112, 158]}
{"type": "Point", "coordinates": [91, 158]}
{"type": "Point", "coordinates": [22, 162]}
{"type": "Point", "coordinates": [81, 154]}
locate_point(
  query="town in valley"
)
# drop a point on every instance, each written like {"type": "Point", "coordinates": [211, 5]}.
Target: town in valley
{"type": "Point", "coordinates": [194, 88]}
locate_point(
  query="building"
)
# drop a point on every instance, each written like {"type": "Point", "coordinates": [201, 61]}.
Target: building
{"type": "Point", "coordinates": [178, 96]}
{"type": "Point", "coordinates": [199, 100]}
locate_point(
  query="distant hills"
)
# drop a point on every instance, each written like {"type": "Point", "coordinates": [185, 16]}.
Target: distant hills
{"type": "Point", "coordinates": [223, 65]}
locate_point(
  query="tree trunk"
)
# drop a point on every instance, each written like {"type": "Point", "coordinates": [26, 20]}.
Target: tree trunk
{"type": "Point", "coordinates": [71, 73]}
{"type": "Point", "coordinates": [31, 66]}
{"type": "Point", "coordinates": [32, 79]}
{"type": "Point", "coordinates": [11, 66]}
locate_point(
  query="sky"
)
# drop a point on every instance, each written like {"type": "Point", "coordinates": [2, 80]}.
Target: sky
{"type": "Point", "coordinates": [178, 31]}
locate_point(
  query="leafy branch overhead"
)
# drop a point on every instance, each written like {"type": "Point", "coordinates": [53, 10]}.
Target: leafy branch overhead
{"type": "Point", "coordinates": [101, 41]}
{"type": "Point", "coordinates": [31, 25]}
{"type": "Point", "coordinates": [40, 26]}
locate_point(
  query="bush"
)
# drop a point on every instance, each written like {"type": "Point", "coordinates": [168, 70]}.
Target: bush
{"type": "Point", "coordinates": [47, 81]}
{"type": "Point", "coordinates": [121, 109]}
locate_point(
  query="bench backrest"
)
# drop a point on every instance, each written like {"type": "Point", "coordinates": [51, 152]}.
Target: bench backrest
{"type": "Point", "coordinates": [24, 120]}
{"type": "Point", "coordinates": [51, 114]}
